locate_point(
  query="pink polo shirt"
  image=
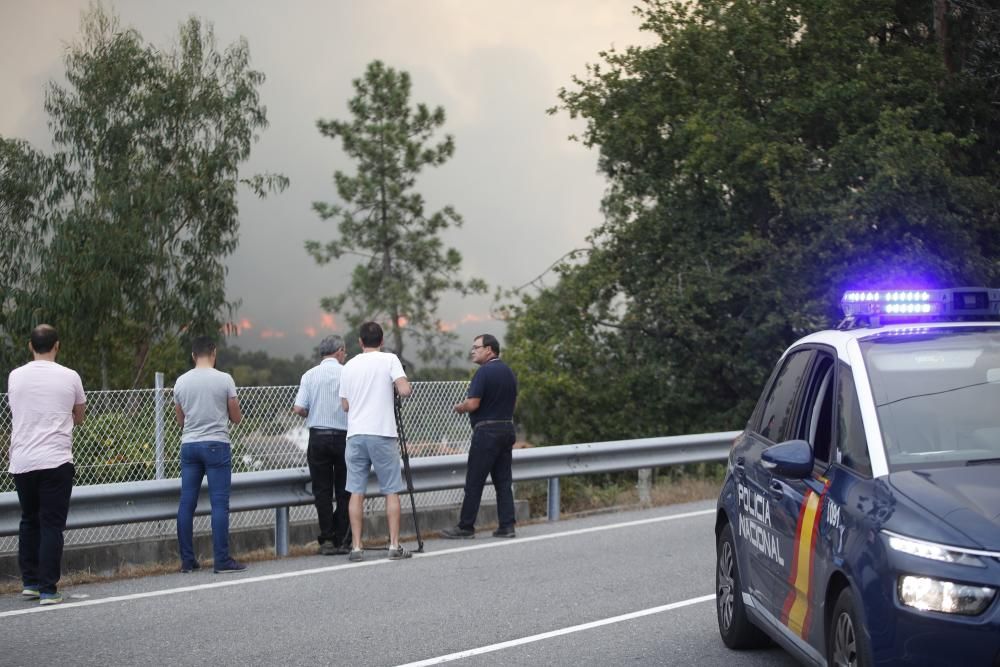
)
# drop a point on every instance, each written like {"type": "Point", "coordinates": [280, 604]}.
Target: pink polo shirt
{"type": "Point", "coordinates": [42, 395]}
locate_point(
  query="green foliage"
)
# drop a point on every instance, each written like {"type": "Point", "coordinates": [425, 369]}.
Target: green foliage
{"type": "Point", "coordinates": [23, 174]}
{"type": "Point", "coordinates": [762, 158]}
{"type": "Point", "coordinates": [143, 207]}
{"type": "Point", "coordinates": [117, 447]}
{"type": "Point", "coordinates": [441, 374]}
{"type": "Point", "coordinates": [258, 369]}
{"type": "Point", "coordinates": [404, 266]}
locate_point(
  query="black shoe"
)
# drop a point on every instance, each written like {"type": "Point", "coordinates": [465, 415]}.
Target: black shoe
{"type": "Point", "coordinates": [458, 533]}
{"type": "Point", "coordinates": [327, 549]}
{"type": "Point", "coordinates": [190, 567]}
{"type": "Point", "coordinates": [230, 566]}
{"type": "Point", "coordinates": [504, 532]}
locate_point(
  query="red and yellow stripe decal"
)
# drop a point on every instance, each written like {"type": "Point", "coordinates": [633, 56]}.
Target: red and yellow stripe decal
{"type": "Point", "coordinates": [797, 612]}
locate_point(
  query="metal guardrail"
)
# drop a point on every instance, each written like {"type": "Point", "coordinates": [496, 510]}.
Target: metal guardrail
{"type": "Point", "coordinates": [153, 500]}
{"type": "Point", "coordinates": [131, 436]}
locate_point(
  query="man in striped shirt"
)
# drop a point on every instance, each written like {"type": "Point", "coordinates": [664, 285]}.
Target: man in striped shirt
{"type": "Point", "coordinates": [318, 400]}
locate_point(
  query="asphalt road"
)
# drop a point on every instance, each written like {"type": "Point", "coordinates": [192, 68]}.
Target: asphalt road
{"type": "Point", "coordinates": [616, 589]}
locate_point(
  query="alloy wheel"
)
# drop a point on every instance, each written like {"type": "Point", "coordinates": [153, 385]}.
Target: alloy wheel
{"type": "Point", "coordinates": [725, 593]}
{"type": "Point", "coordinates": [845, 646]}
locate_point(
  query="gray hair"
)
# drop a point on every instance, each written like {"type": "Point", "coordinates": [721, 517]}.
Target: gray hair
{"type": "Point", "coordinates": [330, 345]}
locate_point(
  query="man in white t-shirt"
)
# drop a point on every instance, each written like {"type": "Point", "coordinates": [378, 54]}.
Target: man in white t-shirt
{"type": "Point", "coordinates": [366, 394]}
{"type": "Point", "coordinates": [46, 402]}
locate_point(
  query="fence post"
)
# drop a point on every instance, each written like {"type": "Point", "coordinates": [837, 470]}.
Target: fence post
{"type": "Point", "coordinates": [554, 499]}
{"type": "Point", "coordinates": [158, 412]}
{"type": "Point", "coordinates": [280, 531]}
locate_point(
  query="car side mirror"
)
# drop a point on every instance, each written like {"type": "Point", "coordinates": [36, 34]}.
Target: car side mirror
{"type": "Point", "coordinates": [793, 458]}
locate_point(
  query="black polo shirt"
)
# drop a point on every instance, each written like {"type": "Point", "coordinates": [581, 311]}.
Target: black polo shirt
{"type": "Point", "coordinates": [495, 385]}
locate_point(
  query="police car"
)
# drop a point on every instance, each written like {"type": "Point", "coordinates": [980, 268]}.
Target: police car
{"type": "Point", "coordinates": [859, 521]}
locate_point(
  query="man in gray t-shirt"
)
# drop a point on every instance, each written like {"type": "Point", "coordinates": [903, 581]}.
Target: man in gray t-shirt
{"type": "Point", "coordinates": [205, 402]}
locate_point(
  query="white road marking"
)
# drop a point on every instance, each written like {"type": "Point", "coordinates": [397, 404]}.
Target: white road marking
{"type": "Point", "coordinates": [557, 633]}
{"type": "Point", "coordinates": [242, 581]}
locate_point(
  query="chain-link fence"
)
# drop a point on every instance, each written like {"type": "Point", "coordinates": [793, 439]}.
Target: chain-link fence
{"type": "Point", "coordinates": [132, 435]}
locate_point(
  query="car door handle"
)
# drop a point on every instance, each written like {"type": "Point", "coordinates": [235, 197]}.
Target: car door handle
{"type": "Point", "coordinates": [777, 490]}
{"type": "Point", "coordinates": [740, 466]}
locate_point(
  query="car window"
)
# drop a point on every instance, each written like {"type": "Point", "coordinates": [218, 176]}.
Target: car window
{"type": "Point", "coordinates": [852, 443]}
{"type": "Point", "coordinates": [815, 421]}
{"type": "Point", "coordinates": [936, 394]}
{"type": "Point", "coordinates": [777, 416]}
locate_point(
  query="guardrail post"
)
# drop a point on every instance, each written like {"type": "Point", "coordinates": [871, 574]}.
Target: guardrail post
{"type": "Point", "coordinates": [554, 499]}
{"type": "Point", "coordinates": [280, 531]}
{"type": "Point", "coordinates": [645, 484]}
{"type": "Point", "coordinates": [158, 414]}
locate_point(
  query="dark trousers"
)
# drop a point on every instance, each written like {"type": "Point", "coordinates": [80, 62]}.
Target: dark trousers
{"type": "Point", "coordinates": [44, 497]}
{"type": "Point", "coordinates": [328, 470]}
{"type": "Point", "coordinates": [490, 454]}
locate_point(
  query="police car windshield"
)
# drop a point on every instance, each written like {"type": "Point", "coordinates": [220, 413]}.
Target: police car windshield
{"type": "Point", "coordinates": [937, 394]}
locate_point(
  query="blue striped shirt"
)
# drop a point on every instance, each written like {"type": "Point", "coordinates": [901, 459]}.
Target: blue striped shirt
{"type": "Point", "coordinates": [319, 393]}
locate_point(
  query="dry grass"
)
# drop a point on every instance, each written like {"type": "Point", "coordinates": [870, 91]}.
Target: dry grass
{"type": "Point", "coordinates": [663, 493]}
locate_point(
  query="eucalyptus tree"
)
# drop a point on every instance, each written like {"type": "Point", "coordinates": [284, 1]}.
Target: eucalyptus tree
{"type": "Point", "coordinates": [404, 267]}
{"type": "Point", "coordinates": [150, 145]}
{"type": "Point", "coordinates": [23, 192]}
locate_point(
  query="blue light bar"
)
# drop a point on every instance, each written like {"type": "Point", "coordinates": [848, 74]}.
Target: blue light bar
{"type": "Point", "coordinates": [916, 305]}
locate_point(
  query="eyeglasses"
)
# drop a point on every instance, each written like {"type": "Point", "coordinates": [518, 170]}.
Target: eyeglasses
{"type": "Point", "coordinates": [477, 347]}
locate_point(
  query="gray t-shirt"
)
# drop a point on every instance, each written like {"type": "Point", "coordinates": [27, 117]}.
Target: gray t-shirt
{"type": "Point", "coordinates": [203, 394]}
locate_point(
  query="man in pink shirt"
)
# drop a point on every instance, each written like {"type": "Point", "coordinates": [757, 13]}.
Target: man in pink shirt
{"type": "Point", "coordinates": [46, 402]}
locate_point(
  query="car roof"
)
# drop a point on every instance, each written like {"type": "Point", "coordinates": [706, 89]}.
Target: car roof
{"type": "Point", "coordinates": [840, 339]}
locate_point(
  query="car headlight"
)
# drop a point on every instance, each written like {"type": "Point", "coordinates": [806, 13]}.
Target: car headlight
{"type": "Point", "coordinates": [947, 597]}
{"type": "Point", "coordinates": [932, 551]}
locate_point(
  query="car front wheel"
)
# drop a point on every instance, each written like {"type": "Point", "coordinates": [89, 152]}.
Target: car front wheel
{"type": "Point", "coordinates": [735, 627]}
{"type": "Point", "coordinates": [846, 642]}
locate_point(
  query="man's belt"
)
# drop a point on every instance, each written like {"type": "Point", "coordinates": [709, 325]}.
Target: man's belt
{"type": "Point", "coordinates": [317, 429]}
{"type": "Point", "coordinates": [487, 422]}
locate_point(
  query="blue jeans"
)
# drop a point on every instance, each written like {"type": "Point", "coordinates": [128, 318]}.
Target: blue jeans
{"type": "Point", "coordinates": [198, 460]}
{"type": "Point", "coordinates": [489, 455]}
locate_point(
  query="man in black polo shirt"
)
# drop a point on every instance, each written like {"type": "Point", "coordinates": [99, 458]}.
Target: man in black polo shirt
{"type": "Point", "coordinates": [490, 404]}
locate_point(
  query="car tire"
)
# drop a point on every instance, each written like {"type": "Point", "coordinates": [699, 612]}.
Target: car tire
{"type": "Point", "coordinates": [735, 627]}
{"type": "Point", "coordinates": [846, 643]}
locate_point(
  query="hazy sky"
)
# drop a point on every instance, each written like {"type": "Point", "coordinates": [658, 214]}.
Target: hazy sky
{"type": "Point", "coordinates": [527, 194]}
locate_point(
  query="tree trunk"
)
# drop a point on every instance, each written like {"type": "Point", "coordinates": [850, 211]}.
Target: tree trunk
{"type": "Point", "coordinates": [141, 355]}
{"type": "Point", "coordinates": [104, 368]}
{"type": "Point", "coordinates": [942, 35]}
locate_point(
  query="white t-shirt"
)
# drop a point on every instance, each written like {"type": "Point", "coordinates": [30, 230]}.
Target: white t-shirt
{"type": "Point", "coordinates": [42, 395]}
{"type": "Point", "coordinates": [367, 383]}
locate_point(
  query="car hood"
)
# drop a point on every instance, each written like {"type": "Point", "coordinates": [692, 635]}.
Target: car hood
{"type": "Point", "coordinates": [965, 499]}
